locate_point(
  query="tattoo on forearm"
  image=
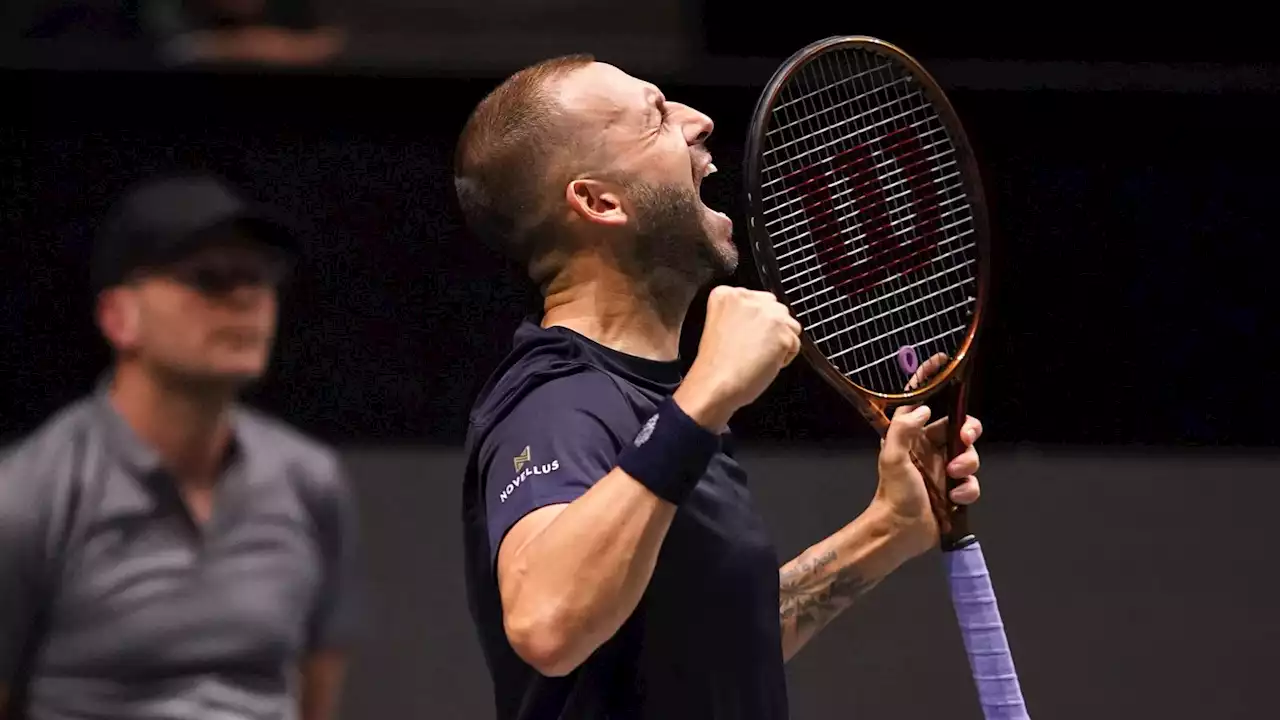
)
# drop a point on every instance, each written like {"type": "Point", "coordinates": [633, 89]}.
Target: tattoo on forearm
{"type": "Point", "coordinates": [811, 595]}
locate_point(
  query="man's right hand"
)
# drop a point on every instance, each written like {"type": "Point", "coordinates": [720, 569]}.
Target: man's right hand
{"type": "Point", "coordinates": [747, 339]}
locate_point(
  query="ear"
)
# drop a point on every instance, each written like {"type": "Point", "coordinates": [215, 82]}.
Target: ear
{"type": "Point", "coordinates": [596, 201]}
{"type": "Point", "coordinates": [119, 317]}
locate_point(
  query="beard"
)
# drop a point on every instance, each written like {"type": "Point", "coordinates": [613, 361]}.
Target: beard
{"type": "Point", "coordinates": [672, 254]}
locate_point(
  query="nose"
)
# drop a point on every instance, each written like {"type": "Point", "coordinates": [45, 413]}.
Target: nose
{"type": "Point", "coordinates": [697, 126]}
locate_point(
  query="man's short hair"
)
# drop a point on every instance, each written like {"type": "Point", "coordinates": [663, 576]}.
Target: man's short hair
{"type": "Point", "coordinates": [508, 161]}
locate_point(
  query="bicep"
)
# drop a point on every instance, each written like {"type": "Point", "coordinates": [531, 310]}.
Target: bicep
{"type": "Point", "coordinates": [525, 531]}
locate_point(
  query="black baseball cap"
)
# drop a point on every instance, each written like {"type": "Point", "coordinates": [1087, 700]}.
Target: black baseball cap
{"type": "Point", "coordinates": [161, 219]}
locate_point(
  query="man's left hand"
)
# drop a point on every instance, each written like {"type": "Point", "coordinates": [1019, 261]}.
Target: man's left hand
{"type": "Point", "coordinates": [903, 491]}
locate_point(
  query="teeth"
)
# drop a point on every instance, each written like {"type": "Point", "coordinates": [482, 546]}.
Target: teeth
{"type": "Point", "coordinates": [711, 167]}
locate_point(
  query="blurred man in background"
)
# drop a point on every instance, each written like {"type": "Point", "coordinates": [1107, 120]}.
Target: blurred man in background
{"type": "Point", "coordinates": [165, 552]}
{"type": "Point", "coordinates": [282, 32]}
{"type": "Point", "coordinates": [270, 32]}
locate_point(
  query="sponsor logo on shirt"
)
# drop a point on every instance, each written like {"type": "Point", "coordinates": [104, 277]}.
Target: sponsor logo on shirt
{"type": "Point", "coordinates": [526, 468]}
{"type": "Point", "coordinates": [646, 432]}
{"type": "Point", "coordinates": [522, 458]}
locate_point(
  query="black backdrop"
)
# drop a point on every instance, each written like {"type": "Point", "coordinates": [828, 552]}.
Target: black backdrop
{"type": "Point", "coordinates": [1133, 292]}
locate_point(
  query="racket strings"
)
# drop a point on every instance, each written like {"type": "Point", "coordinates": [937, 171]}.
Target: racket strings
{"type": "Point", "coordinates": [865, 206]}
{"type": "Point", "coordinates": [826, 146]}
{"type": "Point", "coordinates": [852, 190]}
{"type": "Point", "coordinates": [843, 105]}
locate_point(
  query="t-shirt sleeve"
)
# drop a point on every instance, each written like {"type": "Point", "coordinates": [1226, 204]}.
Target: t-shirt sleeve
{"type": "Point", "coordinates": [335, 618]}
{"type": "Point", "coordinates": [558, 442]}
{"type": "Point", "coordinates": [21, 565]}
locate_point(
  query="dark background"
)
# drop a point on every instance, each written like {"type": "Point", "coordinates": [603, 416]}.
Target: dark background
{"type": "Point", "coordinates": [1126, 377]}
{"type": "Point", "coordinates": [1134, 262]}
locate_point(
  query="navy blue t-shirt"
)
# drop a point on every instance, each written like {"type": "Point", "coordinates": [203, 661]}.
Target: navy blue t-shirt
{"type": "Point", "coordinates": [705, 641]}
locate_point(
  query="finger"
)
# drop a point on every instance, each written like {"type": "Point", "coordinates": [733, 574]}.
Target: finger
{"type": "Point", "coordinates": [793, 349]}
{"type": "Point", "coordinates": [965, 465]}
{"type": "Point", "coordinates": [927, 369]}
{"type": "Point", "coordinates": [794, 324]}
{"type": "Point", "coordinates": [967, 492]}
{"type": "Point", "coordinates": [937, 431]}
{"type": "Point", "coordinates": [904, 428]}
{"type": "Point", "coordinates": [903, 410]}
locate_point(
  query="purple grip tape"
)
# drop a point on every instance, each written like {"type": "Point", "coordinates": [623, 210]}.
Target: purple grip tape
{"type": "Point", "coordinates": [989, 658]}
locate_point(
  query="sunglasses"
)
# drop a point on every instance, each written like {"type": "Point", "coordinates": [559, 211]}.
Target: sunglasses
{"type": "Point", "coordinates": [219, 274]}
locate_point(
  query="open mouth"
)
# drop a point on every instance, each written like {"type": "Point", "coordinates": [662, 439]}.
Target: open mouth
{"type": "Point", "coordinates": [700, 173]}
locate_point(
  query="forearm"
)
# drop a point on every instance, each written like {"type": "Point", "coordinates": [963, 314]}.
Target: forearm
{"type": "Point", "coordinates": [830, 576]}
{"type": "Point", "coordinates": [578, 580]}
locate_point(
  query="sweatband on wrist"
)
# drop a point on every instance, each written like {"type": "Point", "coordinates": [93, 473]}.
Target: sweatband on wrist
{"type": "Point", "coordinates": [670, 453]}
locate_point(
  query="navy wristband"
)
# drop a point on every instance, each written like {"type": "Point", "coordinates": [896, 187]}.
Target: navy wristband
{"type": "Point", "coordinates": [670, 453]}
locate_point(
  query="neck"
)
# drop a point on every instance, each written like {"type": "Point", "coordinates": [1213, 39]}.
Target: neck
{"type": "Point", "coordinates": [603, 304]}
{"type": "Point", "coordinates": [188, 427]}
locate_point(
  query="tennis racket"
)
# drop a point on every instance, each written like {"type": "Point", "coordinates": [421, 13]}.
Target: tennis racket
{"type": "Point", "coordinates": [867, 219]}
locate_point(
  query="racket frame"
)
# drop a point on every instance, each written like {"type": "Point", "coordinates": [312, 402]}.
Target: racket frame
{"type": "Point", "coordinates": [955, 375]}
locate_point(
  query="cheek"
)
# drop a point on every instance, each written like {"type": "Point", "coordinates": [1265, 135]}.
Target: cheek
{"type": "Point", "coordinates": [679, 166]}
{"type": "Point", "coordinates": [177, 323]}
{"type": "Point", "coordinates": [665, 163]}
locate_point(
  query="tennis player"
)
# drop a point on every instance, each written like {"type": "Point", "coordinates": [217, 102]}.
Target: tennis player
{"type": "Point", "coordinates": [164, 552]}
{"type": "Point", "coordinates": [616, 565]}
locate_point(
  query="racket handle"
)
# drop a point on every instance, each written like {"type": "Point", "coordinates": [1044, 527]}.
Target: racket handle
{"type": "Point", "coordinates": [974, 600]}
{"type": "Point", "coordinates": [957, 533]}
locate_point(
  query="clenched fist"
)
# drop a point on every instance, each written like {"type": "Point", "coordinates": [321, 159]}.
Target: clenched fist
{"type": "Point", "coordinates": [748, 338]}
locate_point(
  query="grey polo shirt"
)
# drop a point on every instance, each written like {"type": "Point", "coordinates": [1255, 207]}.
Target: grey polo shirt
{"type": "Point", "coordinates": [153, 616]}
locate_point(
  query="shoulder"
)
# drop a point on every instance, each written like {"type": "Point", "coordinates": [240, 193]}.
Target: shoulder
{"type": "Point", "coordinates": [39, 472]}
{"type": "Point", "coordinates": [590, 389]}
{"type": "Point", "coordinates": [32, 466]}
{"type": "Point", "coordinates": [544, 365]}
{"type": "Point", "coordinates": [315, 464]}
{"type": "Point", "coordinates": [578, 421]}
{"type": "Point", "coordinates": [589, 396]}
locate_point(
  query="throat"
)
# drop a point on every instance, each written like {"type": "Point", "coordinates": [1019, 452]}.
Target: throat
{"type": "Point", "coordinates": [667, 294]}
{"type": "Point", "coordinates": [190, 432]}
{"type": "Point", "coordinates": [198, 499]}
{"type": "Point", "coordinates": [627, 320]}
